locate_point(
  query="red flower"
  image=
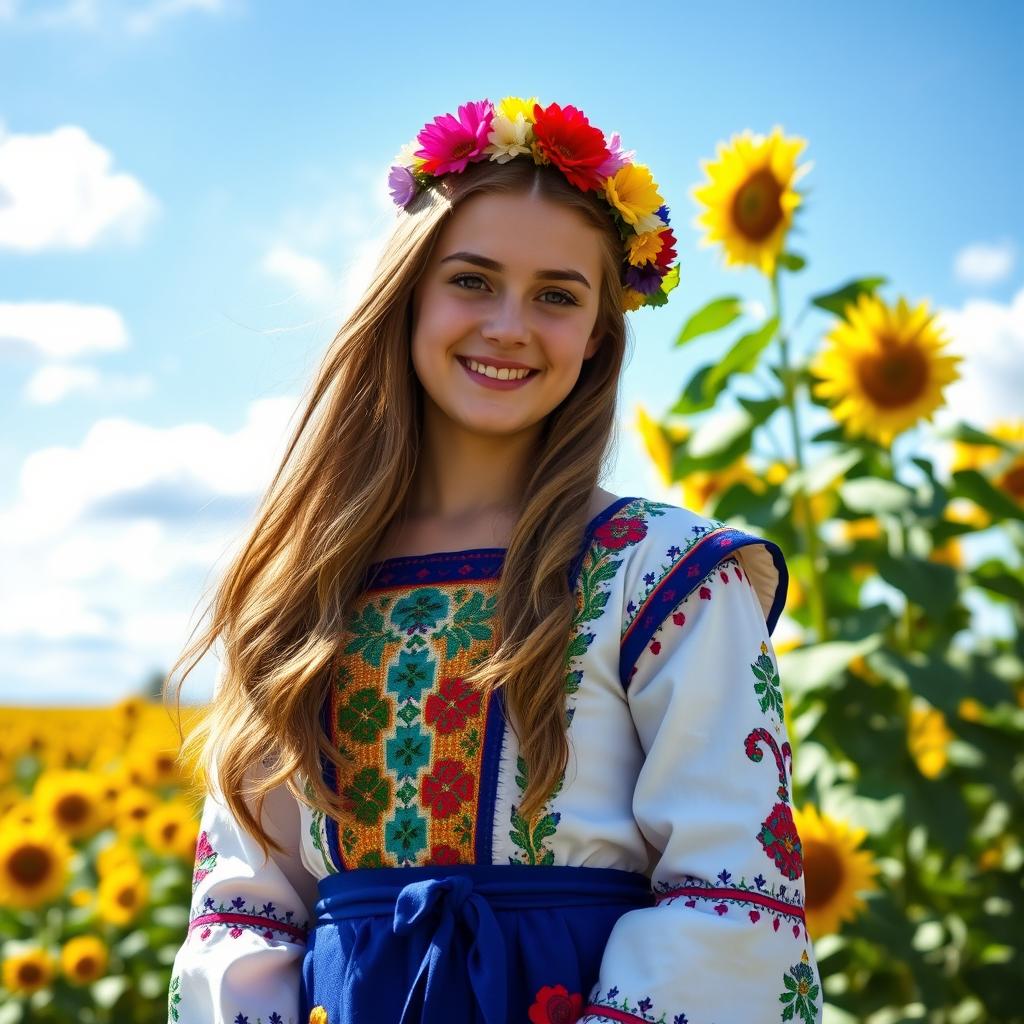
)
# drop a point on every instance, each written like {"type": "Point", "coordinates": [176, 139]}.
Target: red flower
{"type": "Point", "coordinates": [620, 533]}
{"type": "Point", "coordinates": [667, 256]}
{"type": "Point", "coordinates": [447, 788]}
{"type": "Point", "coordinates": [456, 703]}
{"type": "Point", "coordinates": [441, 854]}
{"type": "Point", "coordinates": [554, 1005]}
{"type": "Point", "coordinates": [568, 140]}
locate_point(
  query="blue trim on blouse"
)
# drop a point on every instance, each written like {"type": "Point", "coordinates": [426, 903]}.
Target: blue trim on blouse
{"type": "Point", "coordinates": [683, 578]}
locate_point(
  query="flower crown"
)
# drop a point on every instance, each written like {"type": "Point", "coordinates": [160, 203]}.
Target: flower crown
{"type": "Point", "coordinates": [564, 137]}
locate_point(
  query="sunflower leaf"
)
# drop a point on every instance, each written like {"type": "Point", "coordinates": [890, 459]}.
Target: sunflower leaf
{"type": "Point", "coordinates": [693, 398]}
{"type": "Point", "coordinates": [714, 316]}
{"type": "Point", "coordinates": [971, 435]}
{"type": "Point", "coordinates": [741, 358]}
{"type": "Point", "coordinates": [869, 494]}
{"type": "Point", "coordinates": [969, 483]}
{"type": "Point", "coordinates": [792, 261]}
{"type": "Point", "coordinates": [837, 301]}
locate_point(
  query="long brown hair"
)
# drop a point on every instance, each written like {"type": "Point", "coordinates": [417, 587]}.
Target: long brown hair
{"type": "Point", "coordinates": [280, 607]}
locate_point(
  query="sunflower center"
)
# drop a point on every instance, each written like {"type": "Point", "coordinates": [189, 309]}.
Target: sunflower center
{"type": "Point", "coordinates": [72, 809]}
{"type": "Point", "coordinates": [30, 864]}
{"type": "Point", "coordinates": [895, 377]}
{"type": "Point", "coordinates": [138, 812]}
{"type": "Point", "coordinates": [29, 973]}
{"type": "Point", "coordinates": [1013, 481]}
{"type": "Point", "coordinates": [169, 831]}
{"type": "Point", "coordinates": [823, 874]}
{"type": "Point", "coordinates": [126, 897]}
{"type": "Point", "coordinates": [86, 966]}
{"type": "Point", "coordinates": [755, 208]}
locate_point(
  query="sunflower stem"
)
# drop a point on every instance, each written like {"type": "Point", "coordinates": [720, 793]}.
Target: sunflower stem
{"type": "Point", "coordinates": [819, 610]}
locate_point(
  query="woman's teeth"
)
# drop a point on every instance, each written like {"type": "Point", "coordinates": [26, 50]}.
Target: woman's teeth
{"type": "Point", "coordinates": [490, 371]}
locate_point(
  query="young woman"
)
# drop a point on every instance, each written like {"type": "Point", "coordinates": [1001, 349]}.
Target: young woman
{"type": "Point", "coordinates": [490, 743]}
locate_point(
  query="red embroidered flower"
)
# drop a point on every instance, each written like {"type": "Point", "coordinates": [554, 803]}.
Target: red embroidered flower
{"type": "Point", "coordinates": [619, 533]}
{"type": "Point", "coordinates": [442, 854]}
{"type": "Point", "coordinates": [447, 788]}
{"type": "Point", "coordinates": [568, 140]}
{"type": "Point", "coordinates": [455, 704]}
{"type": "Point", "coordinates": [554, 1005]}
{"type": "Point", "coordinates": [206, 858]}
{"type": "Point", "coordinates": [781, 841]}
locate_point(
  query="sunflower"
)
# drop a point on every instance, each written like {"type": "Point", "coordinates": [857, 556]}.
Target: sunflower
{"type": "Point", "coordinates": [114, 855]}
{"type": "Point", "coordinates": [1008, 466]}
{"type": "Point", "coordinates": [133, 806]}
{"type": "Point", "coordinates": [122, 894]}
{"type": "Point", "coordinates": [172, 829]}
{"type": "Point", "coordinates": [886, 367]}
{"type": "Point", "coordinates": [749, 197]}
{"type": "Point", "coordinates": [928, 739]}
{"type": "Point", "coordinates": [700, 488]}
{"type": "Point", "coordinates": [150, 764]}
{"type": "Point", "coordinates": [72, 800]}
{"type": "Point", "coordinates": [951, 553]}
{"type": "Point", "coordinates": [835, 871]}
{"type": "Point", "coordinates": [34, 864]}
{"type": "Point", "coordinates": [28, 971]}
{"type": "Point", "coordinates": [660, 441]}
{"type": "Point", "coordinates": [83, 959]}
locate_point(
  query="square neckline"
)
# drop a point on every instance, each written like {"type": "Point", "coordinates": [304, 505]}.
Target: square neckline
{"type": "Point", "coordinates": [397, 561]}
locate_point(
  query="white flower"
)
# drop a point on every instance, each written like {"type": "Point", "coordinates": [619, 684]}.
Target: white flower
{"type": "Point", "coordinates": [405, 157]}
{"type": "Point", "coordinates": [508, 138]}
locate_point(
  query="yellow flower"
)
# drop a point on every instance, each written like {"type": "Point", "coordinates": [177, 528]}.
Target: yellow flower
{"type": "Point", "coordinates": [701, 487]}
{"type": "Point", "coordinates": [928, 738]}
{"type": "Point", "coordinates": [859, 667]}
{"type": "Point", "coordinates": [122, 894]}
{"type": "Point", "coordinates": [84, 959]}
{"type": "Point", "coordinates": [655, 440]}
{"type": "Point", "coordinates": [134, 805]}
{"type": "Point", "coordinates": [114, 855]}
{"type": "Point", "coordinates": [950, 553]}
{"type": "Point", "coordinates": [318, 1015]}
{"type": "Point", "coordinates": [511, 106]}
{"type": "Point", "coordinates": [865, 528]}
{"type": "Point", "coordinates": [34, 865]}
{"type": "Point", "coordinates": [885, 366]}
{"type": "Point", "coordinates": [835, 871]}
{"type": "Point", "coordinates": [28, 971]}
{"type": "Point", "coordinates": [963, 510]}
{"type": "Point", "coordinates": [634, 193]}
{"type": "Point", "coordinates": [72, 800]}
{"type": "Point", "coordinates": [992, 856]}
{"type": "Point", "coordinates": [632, 299]}
{"type": "Point", "coordinates": [81, 897]}
{"type": "Point", "coordinates": [1008, 466]}
{"type": "Point", "coordinates": [172, 828]}
{"type": "Point", "coordinates": [970, 709]}
{"type": "Point", "coordinates": [150, 764]}
{"type": "Point", "coordinates": [796, 595]}
{"type": "Point", "coordinates": [749, 197]}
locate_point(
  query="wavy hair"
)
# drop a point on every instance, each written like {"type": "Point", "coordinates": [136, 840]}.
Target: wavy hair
{"type": "Point", "coordinates": [280, 607]}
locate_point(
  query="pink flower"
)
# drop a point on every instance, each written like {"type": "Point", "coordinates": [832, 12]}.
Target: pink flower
{"type": "Point", "coordinates": [450, 143]}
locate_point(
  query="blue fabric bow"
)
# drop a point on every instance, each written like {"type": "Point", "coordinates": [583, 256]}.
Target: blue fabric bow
{"type": "Point", "coordinates": [451, 902]}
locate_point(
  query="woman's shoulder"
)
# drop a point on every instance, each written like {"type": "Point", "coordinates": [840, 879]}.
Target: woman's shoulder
{"type": "Point", "coordinates": [672, 548]}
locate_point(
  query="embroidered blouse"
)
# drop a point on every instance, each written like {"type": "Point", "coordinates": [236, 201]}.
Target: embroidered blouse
{"type": "Point", "coordinates": [680, 768]}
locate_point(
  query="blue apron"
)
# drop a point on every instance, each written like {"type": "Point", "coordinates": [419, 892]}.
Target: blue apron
{"type": "Point", "coordinates": [462, 943]}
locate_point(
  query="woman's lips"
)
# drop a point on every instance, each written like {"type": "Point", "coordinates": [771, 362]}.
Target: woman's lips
{"type": "Point", "coordinates": [492, 382]}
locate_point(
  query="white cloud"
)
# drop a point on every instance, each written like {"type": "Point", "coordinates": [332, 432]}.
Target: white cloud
{"type": "Point", "coordinates": [305, 274]}
{"type": "Point", "coordinates": [109, 548]}
{"type": "Point", "coordinates": [983, 263]}
{"type": "Point", "coordinates": [59, 192]}
{"type": "Point", "coordinates": [61, 330]}
{"type": "Point", "coordinates": [52, 384]}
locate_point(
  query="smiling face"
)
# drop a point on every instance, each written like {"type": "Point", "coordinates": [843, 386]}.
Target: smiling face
{"type": "Point", "coordinates": [480, 298]}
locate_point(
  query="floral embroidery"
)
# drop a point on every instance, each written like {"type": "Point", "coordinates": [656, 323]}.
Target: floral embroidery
{"type": "Point", "coordinates": [621, 1010]}
{"type": "Point", "coordinates": [240, 916]}
{"type": "Point", "coordinates": [206, 859]}
{"type": "Point", "coordinates": [173, 998]}
{"type": "Point", "coordinates": [410, 724]}
{"type": "Point", "coordinates": [802, 991]}
{"type": "Point", "coordinates": [768, 688]}
{"type": "Point", "coordinates": [597, 570]}
{"type": "Point", "coordinates": [274, 1018]}
{"type": "Point", "coordinates": [722, 896]}
{"type": "Point", "coordinates": [554, 1005]}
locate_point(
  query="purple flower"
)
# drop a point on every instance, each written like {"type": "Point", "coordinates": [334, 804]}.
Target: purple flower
{"type": "Point", "coordinates": [645, 279]}
{"type": "Point", "coordinates": [402, 185]}
{"type": "Point", "coordinates": [617, 158]}
{"type": "Point", "coordinates": [645, 1004]}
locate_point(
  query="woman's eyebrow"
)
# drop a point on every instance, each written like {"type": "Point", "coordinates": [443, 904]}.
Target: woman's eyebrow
{"type": "Point", "coordinates": [544, 275]}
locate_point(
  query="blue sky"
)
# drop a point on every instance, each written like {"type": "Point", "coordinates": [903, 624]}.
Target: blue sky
{"type": "Point", "coordinates": [192, 193]}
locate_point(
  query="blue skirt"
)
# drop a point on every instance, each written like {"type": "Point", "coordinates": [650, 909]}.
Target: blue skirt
{"type": "Point", "coordinates": [463, 943]}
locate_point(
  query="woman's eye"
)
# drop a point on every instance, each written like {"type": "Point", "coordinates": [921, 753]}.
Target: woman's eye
{"type": "Point", "coordinates": [568, 299]}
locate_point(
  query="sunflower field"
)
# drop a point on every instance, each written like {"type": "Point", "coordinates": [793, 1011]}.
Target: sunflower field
{"type": "Point", "coordinates": [906, 725]}
{"type": "Point", "coordinates": [98, 831]}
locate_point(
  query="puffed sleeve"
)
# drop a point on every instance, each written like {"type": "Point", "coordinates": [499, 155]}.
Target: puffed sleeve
{"type": "Point", "coordinates": [725, 940]}
{"type": "Point", "coordinates": [241, 960]}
